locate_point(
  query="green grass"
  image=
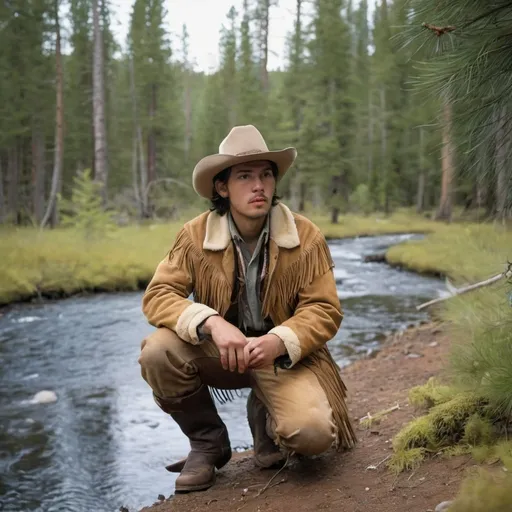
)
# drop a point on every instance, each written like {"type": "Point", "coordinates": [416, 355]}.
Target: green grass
{"type": "Point", "coordinates": [61, 262]}
{"type": "Point", "coordinates": [464, 252]}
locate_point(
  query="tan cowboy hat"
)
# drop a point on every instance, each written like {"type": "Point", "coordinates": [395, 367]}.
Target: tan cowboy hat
{"type": "Point", "coordinates": [243, 144]}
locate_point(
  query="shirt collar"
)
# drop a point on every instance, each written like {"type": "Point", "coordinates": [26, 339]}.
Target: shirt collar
{"type": "Point", "coordinates": [235, 234]}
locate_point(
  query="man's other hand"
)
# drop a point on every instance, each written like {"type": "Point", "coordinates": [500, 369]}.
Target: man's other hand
{"type": "Point", "coordinates": [264, 350]}
{"type": "Point", "coordinates": [230, 341]}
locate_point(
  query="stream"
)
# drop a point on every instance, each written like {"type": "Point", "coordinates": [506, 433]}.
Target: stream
{"type": "Point", "coordinates": [104, 443]}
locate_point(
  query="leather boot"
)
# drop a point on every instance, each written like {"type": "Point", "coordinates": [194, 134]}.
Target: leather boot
{"type": "Point", "coordinates": [266, 452]}
{"type": "Point", "coordinates": [198, 419]}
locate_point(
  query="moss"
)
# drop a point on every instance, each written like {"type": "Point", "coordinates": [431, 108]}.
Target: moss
{"type": "Point", "coordinates": [419, 433]}
{"type": "Point", "coordinates": [404, 460]}
{"type": "Point", "coordinates": [456, 451]}
{"type": "Point", "coordinates": [478, 431]}
{"type": "Point", "coordinates": [484, 492]}
{"type": "Point", "coordinates": [430, 394]}
{"type": "Point", "coordinates": [449, 419]}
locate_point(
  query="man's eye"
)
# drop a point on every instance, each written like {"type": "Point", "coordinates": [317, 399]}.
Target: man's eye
{"type": "Point", "coordinates": [242, 176]}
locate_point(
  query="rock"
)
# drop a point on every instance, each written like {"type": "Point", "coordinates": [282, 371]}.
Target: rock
{"type": "Point", "coordinates": [380, 258]}
{"type": "Point", "coordinates": [414, 356]}
{"type": "Point", "coordinates": [45, 397]}
{"type": "Point", "coordinates": [433, 344]}
{"type": "Point", "coordinates": [444, 506]}
{"type": "Point", "coordinates": [161, 497]}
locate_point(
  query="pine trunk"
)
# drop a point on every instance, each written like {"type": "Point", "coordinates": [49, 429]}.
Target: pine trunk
{"type": "Point", "coordinates": [420, 197]}
{"type": "Point", "coordinates": [152, 137]}
{"type": "Point", "coordinates": [51, 209]}
{"type": "Point", "coordinates": [138, 167]}
{"type": "Point", "coordinates": [445, 205]}
{"type": "Point", "coordinates": [13, 179]}
{"type": "Point", "coordinates": [2, 203]}
{"type": "Point", "coordinates": [503, 183]}
{"type": "Point", "coordinates": [264, 44]}
{"type": "Point", "coordinates": [100, 137]}
{"type": "Point", "coordinates": [188, 117]}
{"type": "Point", "coordinates": [38, 173]}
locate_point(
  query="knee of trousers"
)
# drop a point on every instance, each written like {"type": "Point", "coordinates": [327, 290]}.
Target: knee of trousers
{"type": "Point", "coordinates": [161, 365]}
{"type": "Point", "coordinates": [311, 435]}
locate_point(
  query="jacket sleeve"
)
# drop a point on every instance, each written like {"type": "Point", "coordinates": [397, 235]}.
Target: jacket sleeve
{"type": "Point", "coordinates": [318, 314]}
{"type": "Point", "coordinates": [166, 301]}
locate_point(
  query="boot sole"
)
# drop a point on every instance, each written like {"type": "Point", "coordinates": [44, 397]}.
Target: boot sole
{"type": "Point", "coordinates": [178, 466]}
{"type": "Point", "coordinates": [194, 488]}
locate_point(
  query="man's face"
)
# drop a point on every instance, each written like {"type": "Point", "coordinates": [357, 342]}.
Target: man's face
{"type": "Point", "coordinates": [250, 189]}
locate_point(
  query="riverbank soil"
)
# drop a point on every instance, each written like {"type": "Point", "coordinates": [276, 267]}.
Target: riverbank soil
{"type": "Point", "coordinates": [358, 480]}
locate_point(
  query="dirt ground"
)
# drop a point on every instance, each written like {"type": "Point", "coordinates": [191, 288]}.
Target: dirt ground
{"type": "Point", "coordinates": [344, 481]}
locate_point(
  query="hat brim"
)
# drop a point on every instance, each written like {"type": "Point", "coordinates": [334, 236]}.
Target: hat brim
{"type": "Point", "coordinates": [209, 166]}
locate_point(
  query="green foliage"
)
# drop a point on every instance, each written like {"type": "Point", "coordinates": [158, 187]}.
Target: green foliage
{"type": "Point", "coordinates": [406, 459]}
{"type": "Point", "coordinates": [484, 491]}
{"type": "Point", "coordinates": [430, 394]}
{"type": "Point", "coordinates": [481, 357]}
{"type": "Point", "coordinates": [84, 212]}
{"type": "Point", "coordinates": [360, 199]}
{"type": "Point", "coordinates": [478, 431]}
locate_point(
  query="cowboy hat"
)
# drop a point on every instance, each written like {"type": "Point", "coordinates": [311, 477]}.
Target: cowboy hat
{"type": "Point", "coordinates": [242, 144]}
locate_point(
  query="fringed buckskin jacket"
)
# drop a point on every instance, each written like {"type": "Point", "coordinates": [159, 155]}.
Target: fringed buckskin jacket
{"type": "Point", "coordinates": [298, 293]}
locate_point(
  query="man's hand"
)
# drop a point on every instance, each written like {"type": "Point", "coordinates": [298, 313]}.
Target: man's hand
{"type": "Point", "coordinates": [262, 351]}
{"type": "Point", "coordinates": [230, 341]}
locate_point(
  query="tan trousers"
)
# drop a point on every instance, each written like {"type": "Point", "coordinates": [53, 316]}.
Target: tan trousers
{"type": "Point", "coordinates": [300, 415]}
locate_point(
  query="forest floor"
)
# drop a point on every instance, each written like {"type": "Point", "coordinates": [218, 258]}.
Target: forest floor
{"type": "Point", "coordinates": [357, 480]}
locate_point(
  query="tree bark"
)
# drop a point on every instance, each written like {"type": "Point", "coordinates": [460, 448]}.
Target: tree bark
{"type": "Point", "coordinates": [445, 205]}
{"type": "Point", "coordinates": [420, 197]}
{"type": "Point", "coordinates": [38, 173]}
{"type": "Point", "coordinates": [264, 42]}
{"type": "Point", "coordinates": [138, 163]}
{"type": "Point", "coordinates": [151, 136]}
{"type": "Point", "coordinates": [2, 203]}
{"type": "Point", "coordinates": [13, 179]}
{"type": "Point", "coordinates": [59, 128]}
{"type": "Point", "coordinates": [100, 137]}
{"type": "Point", "coordinates": [503, 168]}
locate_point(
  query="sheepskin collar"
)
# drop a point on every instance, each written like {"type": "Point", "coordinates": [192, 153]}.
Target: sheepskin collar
{"type": "Point", "coordinates": [282, 229]}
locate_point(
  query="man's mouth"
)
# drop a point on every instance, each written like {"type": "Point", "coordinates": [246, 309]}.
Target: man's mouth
{"type": "Point", "coordinates": [258, 200]}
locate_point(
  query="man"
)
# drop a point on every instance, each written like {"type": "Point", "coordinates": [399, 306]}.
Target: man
{"type": "Point", "coordinates": [265, 304]}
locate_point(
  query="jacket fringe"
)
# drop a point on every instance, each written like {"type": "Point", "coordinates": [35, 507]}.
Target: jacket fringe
{"type": "Point", "coordinates": [314, 261]}
{"type": "Point", "coordinates": [327, 372]}
{"type": "Point", "coordinates": [210, 284]}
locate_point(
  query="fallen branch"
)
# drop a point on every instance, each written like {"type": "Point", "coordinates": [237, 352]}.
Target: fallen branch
{"type": "Point", "coordinates": [368, 419]}
{"type": "Point", "coordinates": [459, 291]}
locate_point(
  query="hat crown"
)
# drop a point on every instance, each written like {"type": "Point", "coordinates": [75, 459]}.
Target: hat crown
{"type": "Point", "coordinates": [243, 140]}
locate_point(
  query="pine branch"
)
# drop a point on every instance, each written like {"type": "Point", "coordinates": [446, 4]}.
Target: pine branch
{"type": "Point", "coordinates": [439, 31]}
{"type": "Point", "coordinates": [488, 13]}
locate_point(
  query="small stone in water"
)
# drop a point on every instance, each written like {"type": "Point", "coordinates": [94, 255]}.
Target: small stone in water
{"type": "Point", "coordinates": [44, 397]}
{"type": "Point", "coordinates": [443, 506]}
{"type": "Point", "coordinates": [161, 497]}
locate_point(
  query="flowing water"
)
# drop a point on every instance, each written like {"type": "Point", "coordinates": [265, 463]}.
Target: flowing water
{"type": "Point", "coordinates": [104, 442]}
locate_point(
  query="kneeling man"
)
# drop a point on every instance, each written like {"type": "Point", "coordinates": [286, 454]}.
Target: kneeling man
{"type": "Point", "coordinates": [265, 305]}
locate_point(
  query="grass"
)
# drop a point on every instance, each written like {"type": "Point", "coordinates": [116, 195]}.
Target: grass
{"type": "Point", "coordinates": [61, 262]}
{"type": "Point", "coordinates": [464, 252]}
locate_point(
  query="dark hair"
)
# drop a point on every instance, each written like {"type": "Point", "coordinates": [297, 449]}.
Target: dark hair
{"type": "Point", "coordinates": [221, 204]}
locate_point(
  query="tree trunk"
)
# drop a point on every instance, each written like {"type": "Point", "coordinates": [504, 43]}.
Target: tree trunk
{"type": "Point", "coordinates": [59, 128]}
{"type": "Point", "coordinates": [2, 203]}
{"type": "Point", "coordinates": [100, 137]}
{"type": "Point", "coordinates": [384, 170]}
{"type": "Point", "coordinates": [13, 179]}
{"type": "Point", "coordinates": [138, 164]}
{"type": "Point", "coordinates": [188, 117]}
{"type": "Point", "coordinates": [445, 205]}
{"type": "Point", "coordinates": [420, 197]}
{"type": "Point", "coordinates": [503, 168]}
{"type": "Point", "coordinates": [152, 137]}
{"type": "Point", "coordinates": [302, 201]}
{"type": "Point", "coordinates": [38, 173]}
{"type": "Point", "coordinates": [264, 43]}
{"type": "Point", "coordinates": [370, 137]}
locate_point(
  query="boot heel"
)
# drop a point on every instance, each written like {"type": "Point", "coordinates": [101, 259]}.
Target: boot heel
{"type": "Point", "coordinates": [223, 460]}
